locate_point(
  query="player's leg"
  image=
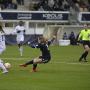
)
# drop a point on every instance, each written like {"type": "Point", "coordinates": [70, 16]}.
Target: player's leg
{"type": "Point", "coordinates": [34, 62]}
{"type": "Point", "coordinates": [3, 67]}
{"type": "Point", "coordinates": [84, 55]}
{"type": "Point", "coordinates": [40, 60]}
{"type": "Point", "coordinates": [20, 40]}
{"type": "Point", "coordinates": [1, 50]}
{"type": "Point", "coordinates": [20, 47]}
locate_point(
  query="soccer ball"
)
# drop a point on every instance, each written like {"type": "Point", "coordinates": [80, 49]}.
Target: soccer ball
{"type": "Point", "coordinates": [7, 65]}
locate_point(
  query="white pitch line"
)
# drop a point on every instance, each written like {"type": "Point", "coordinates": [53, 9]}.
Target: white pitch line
{"type": "Point", "coordinates": [72, 63]}
{"type": "Point", "coordinates": [15, 58]}
{"type": "Point", "coordinates": [57, 62]}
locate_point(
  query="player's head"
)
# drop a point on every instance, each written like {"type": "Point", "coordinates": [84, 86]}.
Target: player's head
{"type": "Point", "coordinates": [21, 23]}
{"type": "Point", "coordinates": [85, 26]}
{"type": "Point", "coordinates": [43, 39]}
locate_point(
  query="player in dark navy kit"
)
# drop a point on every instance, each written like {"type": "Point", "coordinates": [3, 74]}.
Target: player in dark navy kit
{"type": "Point", "coordinates": [45, 57]}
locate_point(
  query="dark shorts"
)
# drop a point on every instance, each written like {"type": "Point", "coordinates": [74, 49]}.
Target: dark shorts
{"type": "Point", "coordinates": [86, 43]}
{"type": "Point", "coordinates": [45, 59]}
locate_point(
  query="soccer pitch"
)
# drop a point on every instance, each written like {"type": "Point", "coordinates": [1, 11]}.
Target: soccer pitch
{"type": "Point", "coordinates": [63, 72]}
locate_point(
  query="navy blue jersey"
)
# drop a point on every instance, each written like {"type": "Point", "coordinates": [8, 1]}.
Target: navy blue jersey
{"type": "Point", "coordinates": [44, 49]}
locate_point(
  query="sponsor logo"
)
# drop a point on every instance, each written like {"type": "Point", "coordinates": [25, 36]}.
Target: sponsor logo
{"type": "Point", "coordinates": [24, 16]}
{"type": "Point", "coordinates": [53, 16]}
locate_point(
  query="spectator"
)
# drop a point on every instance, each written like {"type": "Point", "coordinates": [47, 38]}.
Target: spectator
{"type": "Point", "coordinates": [51, 3]}
{"type": "Point", "coordinates": [65, 37]}
{"type": "Point", "coordinates": [72, 38]}
{"type": "Point", "coordinates": [65, 5]}
{"type": "Point", "coordinates": [20, 2]}
{"type": "Point", "coordinates": [41, 8]}
{"type": "Point", "coordinates": [45, 6]}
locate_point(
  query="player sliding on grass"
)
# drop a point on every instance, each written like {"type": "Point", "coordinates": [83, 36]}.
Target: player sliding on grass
{"type": "Point", "coordinates": [45, 57]}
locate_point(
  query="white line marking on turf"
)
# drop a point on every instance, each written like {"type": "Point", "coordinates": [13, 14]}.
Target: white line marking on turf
{"type": "Point", "coordinates": [16, 58]}
{"type": "Point", "coordinates": [57, 62]}
{"type": "Point", "coordinates": [72, 63]}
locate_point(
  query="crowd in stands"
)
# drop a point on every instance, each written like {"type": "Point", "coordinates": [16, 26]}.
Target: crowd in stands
{"type": "Point", "coordinates": [52, 5]}
{"type": "Point", "coordinates": [7, 4]}
{"type": "Point", "coordinates": [47, 5]}
{"type": "Point", "coordinates": [82, 5]}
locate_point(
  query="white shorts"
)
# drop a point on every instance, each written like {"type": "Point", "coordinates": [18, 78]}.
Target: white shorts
{"type": "Point", "coordinates": [2, 47]}
{"type": "Point", "coordinates": [20, 38]}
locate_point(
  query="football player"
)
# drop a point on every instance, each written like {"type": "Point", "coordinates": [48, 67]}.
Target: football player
{"type": "Point", "coordinates": [20, 31]}
{"type": "Point", "coordinates": [2, 49]}
{"type": "Point", "coordinates": [45, 57]}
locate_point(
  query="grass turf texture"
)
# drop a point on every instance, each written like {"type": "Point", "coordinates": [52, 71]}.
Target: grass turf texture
{"type": "Point", "coordinates": [63, 72]}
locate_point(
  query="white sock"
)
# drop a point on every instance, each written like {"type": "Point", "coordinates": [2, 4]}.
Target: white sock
{"type": "Point", "coordinates": [3, 67]}
{"type": "Point", "coordinates": [21, 50]}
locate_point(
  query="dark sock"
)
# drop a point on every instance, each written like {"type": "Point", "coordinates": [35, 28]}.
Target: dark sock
{"type": "Point", "coordinates": [82, 56]}
{"type": "Point", "coordinates": [19, 45]}
{"type": "Point", "coordinates": [34, 66]}
{"type": "Point", "coordinates": [30, 62]}
{"type": "Point", "coordinates": [86, 53]}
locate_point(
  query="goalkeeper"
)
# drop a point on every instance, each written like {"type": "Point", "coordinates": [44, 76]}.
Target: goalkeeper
{"type": "Point", "coordinates": [45, 57]}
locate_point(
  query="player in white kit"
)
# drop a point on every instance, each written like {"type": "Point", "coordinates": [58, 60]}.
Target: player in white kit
{"type": "Point", "coordinates": [2, 49]}
{"type": "Point", "coordinates": [20, 31]}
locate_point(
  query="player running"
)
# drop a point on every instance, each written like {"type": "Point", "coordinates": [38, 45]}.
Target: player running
{"type": "Point", "coordinates": [2, 49]}
{"type": "Point", "coordinates": [84, 36]}
{"type": "Point", "coordinates": [20, 31]}
{"type": "Point", "coordinates": [46, 55]}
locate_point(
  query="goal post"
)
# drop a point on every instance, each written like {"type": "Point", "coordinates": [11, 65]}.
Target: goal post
{"type": "Point", "coordinates": [59, 30]}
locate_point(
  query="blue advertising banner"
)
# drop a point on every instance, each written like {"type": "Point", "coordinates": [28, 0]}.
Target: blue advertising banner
{"type": "Point", "coordinates": [84, 17]}
{"type": "Point", "coordinates": [34, 16]}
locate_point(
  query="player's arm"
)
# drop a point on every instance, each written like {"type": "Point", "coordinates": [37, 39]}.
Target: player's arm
{"type": "Point", "coordinates": [52, 40]}
{"type": "Point", "coordinates": [80, 36]}
{"type": "Point", "coordinates": [33, 45]}
{"type": "Point", "coordinates": [18, 31]}
{"type": "Point", "coordinates": [14, 31]}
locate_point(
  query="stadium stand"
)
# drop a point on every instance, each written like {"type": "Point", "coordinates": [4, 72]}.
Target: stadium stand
{"type": "Point", "coordinates": [45, 5]}
{"type": "Point", "coordinates": [8, 4]}
{"type": "Point", "coordinates": [51, 12]}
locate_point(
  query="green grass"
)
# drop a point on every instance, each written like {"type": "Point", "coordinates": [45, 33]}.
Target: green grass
{"type": "Point", "coordinates": [63, 72]}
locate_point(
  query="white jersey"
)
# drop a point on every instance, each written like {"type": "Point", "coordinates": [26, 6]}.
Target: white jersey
{"type": "Point", "coordinates": [2, 42]}
{"type": "Point", "coordinates": [19, 30]}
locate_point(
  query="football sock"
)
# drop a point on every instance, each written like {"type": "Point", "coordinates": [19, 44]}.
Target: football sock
{"type": "Point", "coordinates": [19, 45]}
{"type": "Point", "coordinates": [86, 53]}
{"type": "Point", "coordinates": [82, 56]}
{"type": "Point", "coordinates": [30, 62]}
{"type": "Point", "coordinates": [34, 66]}
{"type": "Point", "coordinates": [21, 50]}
